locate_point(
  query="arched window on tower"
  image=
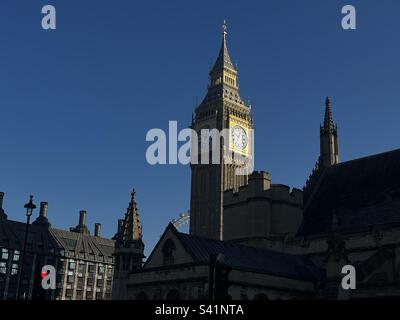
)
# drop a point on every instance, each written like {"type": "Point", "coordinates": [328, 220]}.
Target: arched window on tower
{"type": "Point", "coordinates": [168, 252]}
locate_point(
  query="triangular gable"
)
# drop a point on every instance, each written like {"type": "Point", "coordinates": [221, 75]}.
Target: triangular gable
{"type": "Point", "coordinates": [181, 254]}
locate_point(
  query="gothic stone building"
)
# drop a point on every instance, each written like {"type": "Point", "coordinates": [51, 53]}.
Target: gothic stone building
{"type": "Point", "coordinates": [84, 263]}
{"type": "Point", "coordinates": [281, 243]}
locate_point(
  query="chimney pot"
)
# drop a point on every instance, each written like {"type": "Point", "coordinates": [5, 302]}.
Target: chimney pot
{"type": "Point", "coordinates": [82, 218]}
{"type": "Point", "coordinates": [43, 209]}
{"type": "Point", "coordinates": [97, 229]}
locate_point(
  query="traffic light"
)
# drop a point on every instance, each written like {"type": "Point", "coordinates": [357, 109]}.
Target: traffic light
{"type": "Point", "coordinates": [222, 282]}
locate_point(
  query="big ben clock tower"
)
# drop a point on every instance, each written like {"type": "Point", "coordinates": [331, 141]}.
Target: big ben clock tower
{"type": "Point", "coordinates": [221, 109]}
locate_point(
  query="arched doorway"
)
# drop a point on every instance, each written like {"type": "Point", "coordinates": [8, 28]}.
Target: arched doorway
{"type": "Point", "coordinates": [173, 294]}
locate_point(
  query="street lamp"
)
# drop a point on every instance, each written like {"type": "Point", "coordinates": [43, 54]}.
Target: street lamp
{"type": "Point", "coordinates": [30, 206]}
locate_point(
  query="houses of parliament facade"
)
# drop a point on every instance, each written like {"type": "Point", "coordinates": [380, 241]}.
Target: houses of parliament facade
{"type": "Point", "coordinates": [280, 242]}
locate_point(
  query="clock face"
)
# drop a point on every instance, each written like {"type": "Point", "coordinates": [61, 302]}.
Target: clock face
{"type": "Point", "coordinates": [239, 137]}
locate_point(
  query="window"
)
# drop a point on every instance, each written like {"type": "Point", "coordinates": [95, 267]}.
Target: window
{"type": "Point", "coordinates": [168, 252]}
{"type": "Point", "coordinates": [3, 268]}
{"type": "Point", "coordinates": [14, 269]}
{"type": "Point", "coordinates": [16, 255]}
{"type": "Point", "coordinates": [101, 268]}
{"type": "Point", "coordinates": [92, 268]}
{"type": "Point", "coordinates": [72, 264]}
{"type": "Point", "coordinates": [4, 253]}
{"type": "Point", "coordinates": [109, 271]}
{"type": "Point", "coordinates": [68, 293]}
{"type": "Point", "coordinates": [79, 295]}
{"type": "Point", "coordinates": [81, 268]}
{"type": "Point", "coordinates": [100, 283]}
{"type": "Point", "coordinates": [80, 283]}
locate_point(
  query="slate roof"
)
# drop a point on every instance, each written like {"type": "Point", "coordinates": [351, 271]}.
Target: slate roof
{"type": "Point", "coordinates": [223, 59]}
{"type": "Point", "coordinates": [53, 241]}
{"type": "Point", "coordinates": [222, 90]}
{"type": "Point", "coordinates": [81, 242]}
{"type": "Point", "coordinates": [12, 235]}
{"type": "Point", "coordinates": [361, 193]}
{"type": "Point", "coordinates": [241, 257]}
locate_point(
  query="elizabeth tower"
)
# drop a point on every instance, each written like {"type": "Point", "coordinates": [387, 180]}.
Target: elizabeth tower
{"type": "Point", "coordinates": [222, 108]}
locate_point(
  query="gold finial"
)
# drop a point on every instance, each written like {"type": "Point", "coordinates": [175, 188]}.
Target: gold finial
{"type": "Point", "coordinates": [224, 29]}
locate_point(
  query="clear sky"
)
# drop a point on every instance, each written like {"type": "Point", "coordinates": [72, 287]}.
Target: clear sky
{"type": "Point", "coordinates": [76, 103]}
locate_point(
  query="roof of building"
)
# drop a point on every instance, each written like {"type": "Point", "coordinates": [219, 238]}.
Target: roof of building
{"type": "Point", "coordinates": [358, 195]}
{"type": "Point", "coordinates": [12, 235]}
{"type": "Point", "coordinates": [83, 243]}
{"type": "Point", "coordinates": [223, 59]}
{"type": "Point", "coordinates": [251, 259]}
{"type": "Point", "coordinates": [221, 90]}
{"type": "Point", "coordinates": [42, 239]}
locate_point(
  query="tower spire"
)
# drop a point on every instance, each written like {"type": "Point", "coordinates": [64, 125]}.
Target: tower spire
{"type": "Point", "coordinates": [224, 30]}
{"type": "Point", "coordinates": [329, 154]}
{"type": "Point", "coordinates": [328, 119]}
{"type": "Point", "coordinates": [223, 59]}
{"type": "Point", "coordinates": [129, 248]}
{"type": "Point", "coordinates": [131, 229]}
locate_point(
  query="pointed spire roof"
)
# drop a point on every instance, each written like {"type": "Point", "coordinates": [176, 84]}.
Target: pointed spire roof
{"type": "Point", "coordinates": [131, 229]}
{"type": "Point", "coordinates": [223, 60]}
{"type": "Point", "coordinates": [328, 119]}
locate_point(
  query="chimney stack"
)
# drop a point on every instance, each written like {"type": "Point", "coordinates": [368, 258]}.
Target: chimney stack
{"type": "Point", "coordinates": [2, 213]}
{"type": "Point", "coordinates": [81, 227]}
{"type": "Point", "coordinates": [43, 209]}
{"type": "Point", "coordinates": [82, 218]}
{"type": "Point", "coordinates": [97, 229]}
{"type": "Point", "coordinates": [42, 220]}
{"type": "Point", "coordinates": [1, 200]}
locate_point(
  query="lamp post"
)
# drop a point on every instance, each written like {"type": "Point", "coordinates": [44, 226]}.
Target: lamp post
{"type": "Point", "coordinates": [30, 206]}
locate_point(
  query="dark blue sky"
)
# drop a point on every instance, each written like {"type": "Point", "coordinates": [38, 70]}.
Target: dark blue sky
{"type": "Point", "coordinates": [76, 103]}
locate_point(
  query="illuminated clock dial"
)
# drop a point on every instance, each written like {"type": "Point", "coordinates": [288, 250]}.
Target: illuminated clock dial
{"type": "Point", "coordinates": [239, 137]}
